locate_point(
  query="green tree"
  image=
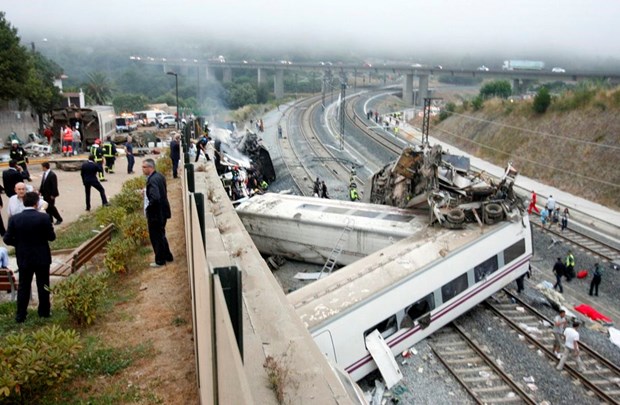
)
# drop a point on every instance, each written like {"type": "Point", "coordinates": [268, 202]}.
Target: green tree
{"type": "Point", "coordinates": [41, 92]}
{"type": "Point", "coordinates": [240, 95]}
{"type": "Point", "coordinates": [98, 89]}
{"type": "Point", "coordinates": [497, 88]}
{"type": "Point", "coordinates": [477, 103]}
{"type": "Point", "coordinates": [542, 101]}
{"type": "Point", "coordinates": [129, 102]}
{"type": "Point", "coordinates": [14, 63]}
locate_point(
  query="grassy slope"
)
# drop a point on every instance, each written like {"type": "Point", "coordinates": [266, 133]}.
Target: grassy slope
{"type": "Point", "coordinates": [557, 161]}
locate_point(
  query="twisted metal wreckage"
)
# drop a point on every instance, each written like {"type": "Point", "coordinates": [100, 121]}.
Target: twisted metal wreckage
{"type": "Point", "coordinates": [446, 185]}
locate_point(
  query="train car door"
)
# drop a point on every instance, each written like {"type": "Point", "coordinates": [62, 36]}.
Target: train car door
{"type": "Point", "coordinates": [383, 356]}
{"type": "Point", "coordinates": [326, 345]}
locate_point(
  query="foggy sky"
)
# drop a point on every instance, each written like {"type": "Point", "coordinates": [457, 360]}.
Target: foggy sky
{"type": "Point", "coordinates": [519, 28]}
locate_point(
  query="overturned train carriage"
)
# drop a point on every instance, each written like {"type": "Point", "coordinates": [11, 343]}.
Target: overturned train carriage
{"type": "Point", "coordinates": [447, 186]}
{"type": "Point", "coordinates": [95, 122]}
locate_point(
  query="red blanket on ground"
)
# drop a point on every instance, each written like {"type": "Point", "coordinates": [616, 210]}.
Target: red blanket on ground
{"type": "Point", "coordinates": [592, 313]}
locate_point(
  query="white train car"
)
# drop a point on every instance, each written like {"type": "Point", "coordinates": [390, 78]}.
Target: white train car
{"type": "Point", "coordinates": [409, 290]}
{"type": "Point", "coordinates": [307, 228]}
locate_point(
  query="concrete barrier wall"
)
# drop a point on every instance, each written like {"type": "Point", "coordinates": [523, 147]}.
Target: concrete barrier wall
{"type": "Point", "coordinates": [20, 122]}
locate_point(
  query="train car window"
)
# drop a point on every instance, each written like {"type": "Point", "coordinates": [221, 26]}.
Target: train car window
{"type": "Point", "coordinates": [399, 218]}
{"type": "Point", "coordinates": [485, 268]}
{"type": "Point", "coordinates": [419, 311]}
{"type": "Point", "coordinates": [365, 214]}
{"type": "Point", "coordinates": [514, 251]}
{"type": "Point", "coordinates": [386, 327]}
{"type": "Point", "coordinates": [454, 288]}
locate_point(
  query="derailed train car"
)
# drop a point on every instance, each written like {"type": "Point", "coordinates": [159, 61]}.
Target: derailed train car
{"type": "Point", "coordinates": [94, 122]}
{"type": "Point", "coordinates": [446, 185]}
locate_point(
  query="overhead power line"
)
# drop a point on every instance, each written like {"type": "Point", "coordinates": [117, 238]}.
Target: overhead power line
{"type": "Point", "coordinates": [545, 165]}
{"type": "Point", "coordinates": [564, 138]}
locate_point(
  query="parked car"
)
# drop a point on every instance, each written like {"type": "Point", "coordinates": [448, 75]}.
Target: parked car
{"type": "Point", "coordinates": [439, 67]}
{"type": "Point", "coordinates": [558, 70]}
{"type": "Point", "coordinates": [483, 68]}
{"type": "Point", "coordinates": [166, 120]}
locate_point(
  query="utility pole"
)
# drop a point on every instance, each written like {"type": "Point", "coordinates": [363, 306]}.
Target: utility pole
{"type": "Point", "coordinates": [426, 119]}
{"type": "Point", "coordinates": [343, 86]}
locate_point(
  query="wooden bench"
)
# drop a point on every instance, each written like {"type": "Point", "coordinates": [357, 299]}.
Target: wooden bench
{"type": "Point", "coordinates": [83, 253]}
{"type": "Point", "coordinates": [8, 282]}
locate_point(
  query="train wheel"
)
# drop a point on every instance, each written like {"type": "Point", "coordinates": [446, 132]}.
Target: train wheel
{"type": "Point", "coordinates": [456, 216]}
{"type": "Point", "coordinates": [493, 210]}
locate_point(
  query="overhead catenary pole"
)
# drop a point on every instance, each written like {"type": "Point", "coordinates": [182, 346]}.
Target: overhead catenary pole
{"type": "Point", "coordinates": [176, 84]}
{"type": "Point", "coordinates": [343, 86]}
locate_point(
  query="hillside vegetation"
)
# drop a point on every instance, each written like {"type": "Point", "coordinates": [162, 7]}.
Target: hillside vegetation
{"type": "Point", "coordinates": [573, 146]}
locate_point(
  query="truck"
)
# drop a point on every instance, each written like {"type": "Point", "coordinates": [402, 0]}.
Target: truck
{"type": "Point", "coordinates": [125, 123]}
{"type": "Point", "coordinates": [515, 64]}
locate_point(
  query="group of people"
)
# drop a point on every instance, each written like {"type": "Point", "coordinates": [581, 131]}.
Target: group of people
{"type": "Point", "coordinates": [567, 269]}
{"type": "Point", "coordinates": [320, 189]}
{"type": "Point", "coordinates": [551, 214]}
{"type": "Point", "coordinates": [566, 335]}
{"type": "Point", "coordinates": [32, 213]}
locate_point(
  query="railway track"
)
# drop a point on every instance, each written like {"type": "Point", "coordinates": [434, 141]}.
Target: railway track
{"type": "Point", "coordinates": [481, 377]}
{"type": "Point", "coordinates": [601, 377]}
{"type": "Point", "coordinates": [604, 251]}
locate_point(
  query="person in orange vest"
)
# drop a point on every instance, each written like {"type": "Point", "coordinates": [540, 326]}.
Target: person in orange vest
{"type": "Point", "coordinates": [67, 140]}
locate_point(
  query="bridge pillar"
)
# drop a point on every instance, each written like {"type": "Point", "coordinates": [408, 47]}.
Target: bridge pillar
{"type": "Point", "coordinates": [408, 89]}
{"type": "Point", "coordinates": [227, 75]}
{"type": "Point", "coordinates": [211, 73]}
{"type": "Point", "coordinates": [278, 84]}
{"type": "Point", "coordinates": [423, 89]}
{"type": "Point", "coordinates": [262, 76]}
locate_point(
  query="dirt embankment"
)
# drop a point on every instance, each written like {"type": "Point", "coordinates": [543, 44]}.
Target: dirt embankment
{"type": "Point", "coordinates": [576, 151]}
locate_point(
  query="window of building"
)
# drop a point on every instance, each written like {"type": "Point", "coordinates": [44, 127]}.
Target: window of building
{"type": "Point", "coordinates": [454, 288]}
{"type": "Point", "coordinates": [485, 268]}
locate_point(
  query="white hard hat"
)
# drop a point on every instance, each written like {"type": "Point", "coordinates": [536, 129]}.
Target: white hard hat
{"type": "Point", "coordinates": [15, 142]}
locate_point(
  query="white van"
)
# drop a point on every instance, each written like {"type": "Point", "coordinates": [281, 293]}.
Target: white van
{"type": "Point", "coordinates": [149, 117]}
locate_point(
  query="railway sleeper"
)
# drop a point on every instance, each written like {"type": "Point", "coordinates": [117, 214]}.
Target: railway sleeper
{"type": "Point", "coordinates": [473, 369]}
{"type": "Point", "coordinates": [486, 379]}
{"type": "Point", "coordinates": [473, 360]}
{"type": "Point", "coordinates": [460, 352]}
{"type": "Point", "coordinates": [497, 388]}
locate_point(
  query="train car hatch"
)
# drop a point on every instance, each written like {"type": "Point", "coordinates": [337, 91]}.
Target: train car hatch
{"type": "Point", "coordinates": [382, 355]}
{"type": "Point", "coordinates": [326, 344]}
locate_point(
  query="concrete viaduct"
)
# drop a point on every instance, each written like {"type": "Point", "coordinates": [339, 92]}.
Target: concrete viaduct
{"type": "Point", "coordinates": [520, 78]}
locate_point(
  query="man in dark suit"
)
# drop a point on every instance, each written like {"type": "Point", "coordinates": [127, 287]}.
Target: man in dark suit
{"type": "Point", "coordinates": [175, 154]}
{"type": "Point", "coordinates": [157, 212]}
{"type": "Point", "coordinates": [30, 231]}
{"type": "Point", "coordinates": [89, 173]}
{"type": "Point", "coordinates": [49, 191]}
{"type": "Point", "coordinates": [12, 176]}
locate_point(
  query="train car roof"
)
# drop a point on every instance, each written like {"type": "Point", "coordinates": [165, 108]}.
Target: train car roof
{"type": "Point", "coordinates": [328, 212]}
{"type": "Point", "coordinates": [380, 271]}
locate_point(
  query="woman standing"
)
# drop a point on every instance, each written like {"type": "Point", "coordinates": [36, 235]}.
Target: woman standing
{"type": "Point", "coordinates": [565, 216]}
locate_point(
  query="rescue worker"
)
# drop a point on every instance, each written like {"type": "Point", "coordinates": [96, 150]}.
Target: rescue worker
{"type": "Point", "coordinates": [97, 151]}
{"type": "Point", "coordinates": [570, 266]}
{"type": "Point", "coordinates": [19, 155]}
{"type": "Point", "coordinates": [109, 153]}
{"type": "Point", "coordinates": [353, 193]}
{"type": "Point", "coordinates": [67, 141]}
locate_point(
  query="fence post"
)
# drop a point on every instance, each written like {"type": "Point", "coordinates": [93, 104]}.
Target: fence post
{"type": "Point", "coordinates": [191, 183]}
{"type": "Point", "coordinates": [230, 277]}
{"type": "Point", "coordinates": [200, 209]}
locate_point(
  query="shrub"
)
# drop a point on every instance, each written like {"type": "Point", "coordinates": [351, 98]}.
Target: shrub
{"type": "Point", "coordinates": [164, 165]}
{"type": "Point", "coordinates": [497, 88]}
{"type": "Point", "coordinates": [81, 296]}
{"type": "Point", "coordinates": [135, 229]}
{"type": "Point", "coordinates": [447, 111]}
{"type": "Point", "coordinates": [477, 103]}
{"type": "Point", "coordinates": [542, 101]}
{"type": "Point", "coordinates": [31, 363]}
{"type": "Point", "coordinates": [118, 252]}
{"type": "Point", "coordinates": [130, 198]}
{"type": "Point", "coordinates": [111, 215]}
